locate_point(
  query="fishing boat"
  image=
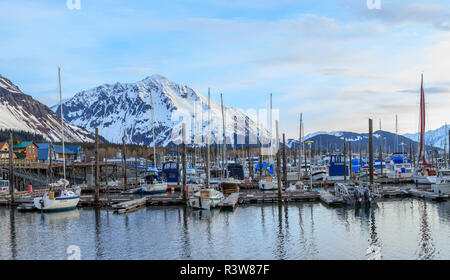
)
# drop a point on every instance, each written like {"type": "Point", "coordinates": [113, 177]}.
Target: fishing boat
{"type": "Point", "coordinates": [337, 168]}
{"type": "Point", "coordinates": [59, 198]}
{"type": "Point", "coordinates": [151, 182]}
{"type": "Point", "coordinates": [206, 199]}
{"type": "Point", "coordinates": [399, 167]}
{"type": "Point", "coordinates": [318, 173]}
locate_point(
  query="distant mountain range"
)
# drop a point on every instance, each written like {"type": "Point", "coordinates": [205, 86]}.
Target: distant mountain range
{"type": "Point", "coordinates": [20, 112]}
{"type": "Point", "coordinates": [335, 141]}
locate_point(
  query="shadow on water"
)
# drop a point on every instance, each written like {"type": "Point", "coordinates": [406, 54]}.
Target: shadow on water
{"type": "Point", "coordinates": [185, 240]}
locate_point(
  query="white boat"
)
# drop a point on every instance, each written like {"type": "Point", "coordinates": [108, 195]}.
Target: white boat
{"type": "Point", "coordinates": [423, 177]}
{"type": "Point", "coordinates": [399, 167]}
{"type": "Point", "coordinates": [151, 182]}
{"type": "Point", "coordinates": [444, 174]}
{"type": "Point", "coordinates": [205, 199]}
{"type": "Point", "coordinates": [298, 187]}
{"type": "Point", "coordinates": [319, 173]}
{"type": "Point", "coordinates": [268, 184]}
{"type": "Point", "coordinates": [58, 199]}
{"type": "Point", "coordinates": [442, 184]}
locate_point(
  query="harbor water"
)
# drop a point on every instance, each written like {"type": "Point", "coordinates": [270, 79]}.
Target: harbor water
{"type": "Point", "coordinates": [396, 229]}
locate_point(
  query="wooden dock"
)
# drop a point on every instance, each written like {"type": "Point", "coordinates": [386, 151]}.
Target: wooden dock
{"type": "Point", "coordinates": [273, 197]}
{"type": "Point", "coordinates": [230, 202]}
{"type": "Point", "coordinates": [127, 206]}
{"type": "Point", "coordinates": [330, 199]}
{"type": "Point", "coordinates": [428, 195]}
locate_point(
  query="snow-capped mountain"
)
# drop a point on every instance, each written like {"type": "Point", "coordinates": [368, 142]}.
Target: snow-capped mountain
{"type": "Point", "coordinates": [19, 111]}
{"type": "Point", "coordinates": [438, 137]}
{"type": "Point", "coordinates": [124, 110]}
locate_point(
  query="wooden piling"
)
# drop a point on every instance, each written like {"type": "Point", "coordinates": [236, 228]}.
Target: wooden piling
{"type": "Point", "coordinates": [350, 160]}
{"type": "Point", "coordinates": [97, 173]}
{"type": "Point", "coordinates": [11, 168]}
{"type": "Point", "coordinates": [380, 155]}
{"type": "Point", "coordinates": [345, 161]}
{"type": "Point", "coordinates": [184, 164]}
{"type": "Point", "coordinates": [284, 163]}
{"type": "Point", "coordinates": [124, 164]}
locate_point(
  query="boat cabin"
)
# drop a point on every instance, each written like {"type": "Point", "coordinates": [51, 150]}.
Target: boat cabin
{"type": "Point", "coordinates": [236, 170]}
{"type": "Point", "coordinates": [337, 166]}
{"type": "Point", "coordinates": [170, 171]}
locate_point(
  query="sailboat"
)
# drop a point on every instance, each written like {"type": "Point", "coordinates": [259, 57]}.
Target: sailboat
{"type": "Point", "coordinates": [269, 182]}
{"type": "Point", "coordinates": [424, 174]}
{"type": "Point", "coordinates": [59, 197]}
{"type": "Point", "coordinates": [208, 197]}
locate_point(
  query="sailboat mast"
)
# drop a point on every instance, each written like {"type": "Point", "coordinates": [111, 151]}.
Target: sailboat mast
{"type": "Point", "coordinates": [62, 123]}
{"type": "Point", "coordinates": [153, 129]}
{"type": "Point", "coordinates": [422, 124]}
{"type": "Point", "coordinates": [299, 175]}
{"type": "Point", "coordinates": [224, 137]}
{"type": "Point", "coordinates": [270, 125]}
{"type": "Point", "coordinates": [207, 140]}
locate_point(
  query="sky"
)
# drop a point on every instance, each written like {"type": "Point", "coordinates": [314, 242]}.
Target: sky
{"type": "Point", "coordinates": [337, 62]}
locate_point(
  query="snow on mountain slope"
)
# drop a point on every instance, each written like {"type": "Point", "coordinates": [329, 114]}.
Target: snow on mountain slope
{"type": "Point", "coordinates": [19, 111]}
{"type": "Point", "coordinates": [437, 137]}
{"type": "Point", "coordinates": [123, 110]}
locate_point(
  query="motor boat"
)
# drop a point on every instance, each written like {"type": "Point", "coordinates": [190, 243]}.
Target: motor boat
{"type": "Point", "coordinates": [58, 198]}
{"type": "Point", "coordinates": [268, 184]}
{"type": "Point", "coordinates": [206, 199]}
{"type": "Point", "coordinates": [355, 194]}
{"type": "Point", "coordinates": [424, 176]}
{"type": "Point", "coordinates": [151, 182]}
{"type": "Point", "coordinates": [442, 185]}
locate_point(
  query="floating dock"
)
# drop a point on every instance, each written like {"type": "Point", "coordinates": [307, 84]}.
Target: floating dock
{"type": "Point", "coordinates": [428, 195]}
{"type": "Point", "coordinates": [230, 202]}
{"type": "Point", "coordinates": [330, 199]}
{"type": "Point", "coordinates": [127, 206]}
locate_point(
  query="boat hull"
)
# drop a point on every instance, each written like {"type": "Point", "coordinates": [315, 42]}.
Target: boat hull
{"type": "Point", "coordinates": [56, 204]}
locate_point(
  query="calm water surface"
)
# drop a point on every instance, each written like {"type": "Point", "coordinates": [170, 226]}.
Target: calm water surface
{"type": "Point", "coordinates": [396, 229]}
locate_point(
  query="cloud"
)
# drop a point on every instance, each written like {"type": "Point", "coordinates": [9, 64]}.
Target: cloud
{"type": "Point", "coordinates": [428, 90]}
{"type": "Point", "coordinates": [407, 12]}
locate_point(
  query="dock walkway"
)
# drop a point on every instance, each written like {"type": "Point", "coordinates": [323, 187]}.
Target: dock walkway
{"type": "Point", "coordinates": [230, 201]}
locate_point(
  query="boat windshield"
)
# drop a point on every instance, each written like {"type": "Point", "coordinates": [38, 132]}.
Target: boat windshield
{"type": "Point", "coordinates": [4, 183]}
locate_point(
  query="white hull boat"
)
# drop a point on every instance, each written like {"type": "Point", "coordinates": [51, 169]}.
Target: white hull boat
{"type": "Point", "coordinates": [205, 199]}
{"type": "Point", "coordinates": [57, 201]}
{"type": "Point", "coordinates": [267, 185]}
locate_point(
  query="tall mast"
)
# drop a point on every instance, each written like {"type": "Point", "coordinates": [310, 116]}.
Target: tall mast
{"type": "Point", "coordinates": [224, 137]}
{"type": "Point", "coordinates": [299, 175]}
{"type": "Point", "coordinates": [62, 123]}
{"type": "Point", "coordinates": [207, 139]}
{"type": "Point", "coordinates": [422, 124]}
{"type": "Point", "coordinates": [396, 134]}
{"type": "Point", "coordinates": [381, 150]}
{"type": "Point", "coordinates": [270, 125]}
{"type": "Point", "coordinates": [153, 129]}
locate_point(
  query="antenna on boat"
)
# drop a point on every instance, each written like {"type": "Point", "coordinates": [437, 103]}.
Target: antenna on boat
{"type": "Point", "coordinates": [62, 122]}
